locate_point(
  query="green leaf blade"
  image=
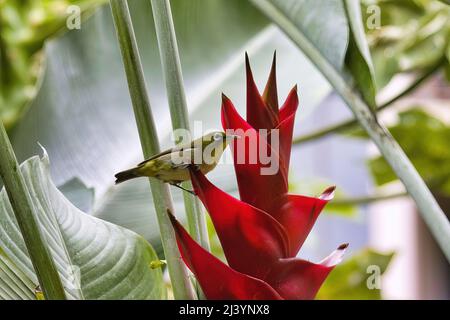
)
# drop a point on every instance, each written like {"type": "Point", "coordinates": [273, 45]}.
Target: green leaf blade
{"type": "Point", "coordinates": [358, 58]}
{"type": "Point", "coordinates": [95, 259]}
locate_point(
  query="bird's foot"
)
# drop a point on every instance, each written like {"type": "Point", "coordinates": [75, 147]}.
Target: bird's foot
{"type": "Point", "coordinates": [184, 189]}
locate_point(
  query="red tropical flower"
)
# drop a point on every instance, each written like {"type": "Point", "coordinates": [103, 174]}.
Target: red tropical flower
{"type": "Point", "coordinates": [270, 192]}
{"type": "Point", "coordinates": [289, 278]}
{"type": "Point", "coordinates": [262, 233]}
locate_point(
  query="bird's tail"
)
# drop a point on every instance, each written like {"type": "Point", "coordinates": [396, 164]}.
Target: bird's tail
{"type": "Point", "coordinates": [127, 175]}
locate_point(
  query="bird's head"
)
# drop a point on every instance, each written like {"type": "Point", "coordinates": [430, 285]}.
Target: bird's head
{"type": "Point", "coordinates": [214, 143]}
{"type": "Point", "coordinates": [218, 138]}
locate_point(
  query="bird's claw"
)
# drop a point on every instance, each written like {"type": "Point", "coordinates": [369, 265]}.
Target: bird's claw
{"type": "Point", "coordinates": [184, 189]}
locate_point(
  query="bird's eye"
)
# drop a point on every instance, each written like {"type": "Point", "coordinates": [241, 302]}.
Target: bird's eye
{"type": "Point", "coordinates": [217, 137]}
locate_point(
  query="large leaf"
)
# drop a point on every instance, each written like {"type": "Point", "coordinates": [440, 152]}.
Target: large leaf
{"type": "Point", "coordinates": [95, 259]}
{"type": "Point", "coordinates": [14, 284]}
{"type": "Point", "coordinates": [79, 194]}
{"type": "Point", "coordinates": [358, 59]}
{"type": "Point", "coordinates": [24, 26]}
{"type": "Point", "coordinates": [323, 22]}
{"type": "Point", "coordinates": [84, 102]}
{"type": "Point", "coordinates": [336, 30]}
{"type": "Point", "coordinates": [83, 114]}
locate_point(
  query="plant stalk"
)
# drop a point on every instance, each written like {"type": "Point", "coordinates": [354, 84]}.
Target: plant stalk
{"type": "Point", "coordinates": [23, 207]}
{"type": "Point", "coordinates": [367, 199]}
{"type": "Point", "coordinates": [182, 288]}
{"type": "Point", "coordinates": [344, 126]}
{"type": "Point", "coordinates": [170, 61]}
{"type": "Point", "coordinates": [432, 214]}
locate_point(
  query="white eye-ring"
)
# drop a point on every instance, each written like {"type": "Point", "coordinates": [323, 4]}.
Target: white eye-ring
{"type": "Point", "coordinates": [217, 136]}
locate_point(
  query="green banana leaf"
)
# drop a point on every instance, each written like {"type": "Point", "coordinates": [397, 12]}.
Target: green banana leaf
{"type": "Point", "coordinates": [358, 59]}
{"type": "Point", "coordinates": [14, 284]}
{"type": "Point", "coordinates": [335, 28]}
{"type": "Point", "coordinates": [94, 258]}
{"type": "Point", "coordinates": [78, 194]}
{"type": "Point", "coordinates": [24, 27]}
{"type": "Point", "coordinates": [83, 115]}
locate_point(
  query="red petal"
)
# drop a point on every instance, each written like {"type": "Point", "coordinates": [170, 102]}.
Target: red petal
{"type": "Point", "coordinates": [296, 279]}
{"type": "Point", "coordinates": [218, 281]}
{"type": "Point", "coordinates": [251, 239]}
{"type": "Point", "coordinates": [286, 126]}
{"type": "Point", "coordinates": [299, 215]}
{"type": "Point", "coordinates": [258, 115]}
{"type": "Point", "coordinates": [231, 119]}
{"type": "Point", "coordinates": [290, 105]}
{"type": "Point", "coordinates": [270, 95]}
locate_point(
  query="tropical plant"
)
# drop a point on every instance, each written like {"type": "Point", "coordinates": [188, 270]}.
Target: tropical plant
{"type": "Point", "coordinates": [262, 233]}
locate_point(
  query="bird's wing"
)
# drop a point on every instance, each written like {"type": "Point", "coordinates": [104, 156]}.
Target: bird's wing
{"type": "Point", "coordinates": [156, 156]}
{"type": "Point", "coordinates": [183, 147]}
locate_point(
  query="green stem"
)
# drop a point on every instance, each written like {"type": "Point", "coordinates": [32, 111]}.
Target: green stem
{"type": "Point", "coordinates": [173, 77]}
{"type": "Point", "coordinates": [352, 123]}
{"type": "Point", "coordinates": [182, 288]}
{"type": "Point", "coordinates": [366, 199]}
{"type": "Point", "coordinates": [432, 214]}
{"type": "Point", "coordinates": [23, 207]}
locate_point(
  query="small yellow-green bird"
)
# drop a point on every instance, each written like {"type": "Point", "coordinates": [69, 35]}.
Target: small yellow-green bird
{"type": "Point", "coordinates": [172, 165]}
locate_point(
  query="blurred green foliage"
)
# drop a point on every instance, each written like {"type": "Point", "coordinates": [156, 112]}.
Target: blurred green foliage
{"type": "Point", "coordinates": [413, 35]}
{"type": "Point", "coordinates": [425, 140]}
{"type": "Point", "coordinates": [24, 27]}
{"type": "Point", "coordinates": [349, 279]}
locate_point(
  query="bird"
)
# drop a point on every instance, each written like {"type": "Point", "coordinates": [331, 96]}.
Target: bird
{"type": "Point", "coordinates": [172, 165]}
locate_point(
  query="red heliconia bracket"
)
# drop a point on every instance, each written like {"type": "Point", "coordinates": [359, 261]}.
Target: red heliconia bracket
{"type": "Point", "coordinates": [262, 232]}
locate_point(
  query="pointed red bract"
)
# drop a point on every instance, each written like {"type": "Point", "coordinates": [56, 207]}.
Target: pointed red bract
{"type": "Point", "coordinates": [286, 127]}
{"type": "Point", "coordinates": [251, 239]}
{"type": "Point", "coordinates": [217, 280]}
{"type": "Point", "coordinates": [270, 94]}
{"type": "Point", "coordinates": [296, 279]}
{"type": "Point", "coordinates": [259, 116]}
{"type": "Point", "coordinates": [289, 279]}
{"type": "Point", "coordinates": [298, 216]}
